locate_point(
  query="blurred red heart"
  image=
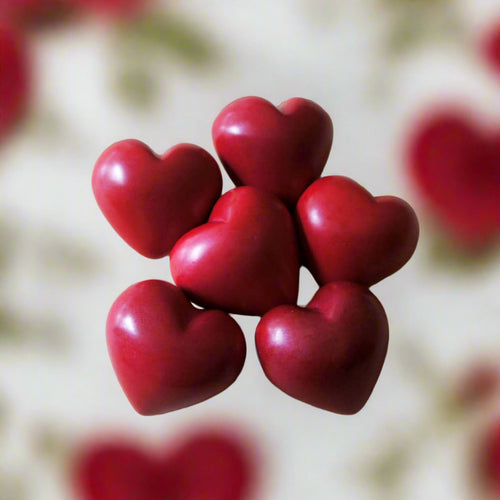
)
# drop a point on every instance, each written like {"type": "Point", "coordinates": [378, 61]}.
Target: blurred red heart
{"type": "Point", "coordinates": [167, 354]}
{"type": "Point", "coordinates": [244, 260]}
{"type": "Point", "coordinates": [455, 164]}
{"type": "Point", "coordinates": [491, 46]}
{"type": "Point", "coordinates": [281, 150]}
{"type": "Point", "coordinates": [210, 463]}
{"type": "Point", "coordinates": [348, 235]}
{"type": "Point", "coordinates": [151, 201]}
{"type": "Point", "coordinates": [14, 79]}
{"type": "Point", "coordinates": [488, 460]}
{"type": "Point", "coordinates": [330, 353]}
{"type": "Point", "coordinates": [118, 469]}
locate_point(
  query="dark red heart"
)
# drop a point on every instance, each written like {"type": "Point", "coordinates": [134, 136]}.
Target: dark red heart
{"type": "Point", "coordinates": [15, 80]}
{"type": "Point", "coordinates": [455, 164]}
{"type": "Point", "coordinates": [330, 353]}
{"type": "Point", "coordinates": [167, 354]}
{"type": "Point", "coordinates": [348, 235]}
{"type": "Point", "coordinates": [151, 201]}
{"type": "Point", "coordinates": [281, 150]}
{"type": "Point", "coordinates": [244, 260]}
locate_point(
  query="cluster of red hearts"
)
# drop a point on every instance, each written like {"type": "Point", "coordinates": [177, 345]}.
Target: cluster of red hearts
{"type": "Point", "coordinates": [211, 462]}
{"type": "Point", "coordinates": [241, 253]}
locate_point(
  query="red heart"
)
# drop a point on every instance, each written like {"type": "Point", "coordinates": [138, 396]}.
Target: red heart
{"type": "Point", "coordinates": [348, 235]}
{"type": "Point", "coordinates": [167, 354]}
{"type": "Point", "coordinates": [212, 464]}
{"type": "Point", "coordinates": [14, 79]}
{"type": "Point", "coordinates": [455, 164]}
{"type": "Point", "coordinates": [245, 259]}
{"type": "Point", "coordinates": [151, 201]}
{"type": "Point", "coordinates": [491, 46]}
{"type": "Point", "coordinates": [118, 469]}
{"type": "Point", "coordinates": [330, 353]}
{"type": "Point", "coordinates": [281, 150]}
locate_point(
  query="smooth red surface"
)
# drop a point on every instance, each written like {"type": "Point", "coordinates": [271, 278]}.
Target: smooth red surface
{"type": "Point", "coordinates": [281, 150]}
{"type": "Point", "coordinates": [167, 354]}
{"type": "Point", "coordinates": [152, 201]}
{"type": "Point", "coordinates": [118, 469]}
{"type": "Point", "coordinates": [14, 79]}
{"type": "Point", "coordinates": [245, 259]}
{"type": "Point", "coordinates": [454, 161]}
{"type": "Point", "coordinates": [348, 235]}
{"type": "Point", "coordinates": [330, 353]}
{"type": "Point", "coordinates": [212, 464]}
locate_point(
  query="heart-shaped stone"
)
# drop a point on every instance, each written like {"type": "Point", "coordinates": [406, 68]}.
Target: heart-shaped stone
{"type": "Point", "coordinates": [245, 259]}
{"type": "Point", "coordinates": [152, 201]}
{"type": "Point", "coordinates": [455, 163]}
{"type": "Point", "coordinates": [330, 353]}
{"type": "Point", "coordinates": [348, 235]}
{"type": "Point", "coordinates": [281, 150]}
{"type": "Point", "coordinates": [167, 354]}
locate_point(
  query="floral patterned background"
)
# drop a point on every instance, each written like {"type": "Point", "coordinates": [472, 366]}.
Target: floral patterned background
{"type": "Point", "coordinates": [413, 88]}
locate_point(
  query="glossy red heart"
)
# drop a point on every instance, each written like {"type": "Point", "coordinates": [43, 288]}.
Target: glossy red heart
{"type": "Point", "coordinates": [244, 260]}
{"type": "Point", "coordinates": [330, 353]}
{"type": "Point", "coordinates": [454, 161]}
{"type": "Point", "coordinates": [348, 235]}
{"type": "Point", "coordinates": [152, 201]}
{"type": "Point", "coordinates": [167, 354]}
{"type": "Point", "coordinates": [281, 150]}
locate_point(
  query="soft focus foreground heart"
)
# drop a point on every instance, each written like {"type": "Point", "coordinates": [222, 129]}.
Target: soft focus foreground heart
{"type": "Point", "coordinates": [167, 354]}
{"type": "Point", "coordinates": [455, 164]}
{"type": "Point", "coordinates": [348, 235]}
{"type": "Point", "coordinates": [244, 260]}
{"type": "Point", "coordinates": [14, 79]}
{"type": "Point", "coordinates": [151, 201]}
{"type": "Point", "coordinates": [281, 150]}
{"type": "Point", "coordinates": [330, 353]}
{"type": "Point", "coordinates": [210, 463]}
{"type": "Point", "coordinates": [119, 470]}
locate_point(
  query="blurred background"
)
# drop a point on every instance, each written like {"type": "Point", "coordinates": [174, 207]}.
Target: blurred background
{"type": "Point", "coordinates": [413, 88]}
